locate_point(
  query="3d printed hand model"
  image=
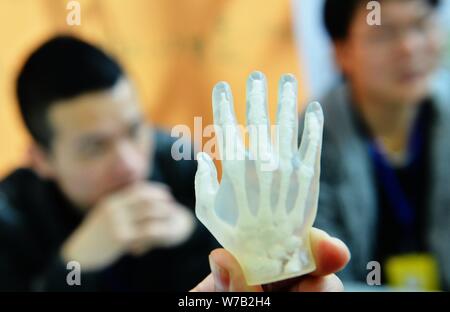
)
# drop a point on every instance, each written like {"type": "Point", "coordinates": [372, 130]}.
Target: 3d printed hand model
{"type": "Point", "coordinates": [266, 203]}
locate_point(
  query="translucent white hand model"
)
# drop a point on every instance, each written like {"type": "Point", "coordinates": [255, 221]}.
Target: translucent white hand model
{"type": "Point", "coordinates": [265, 206]}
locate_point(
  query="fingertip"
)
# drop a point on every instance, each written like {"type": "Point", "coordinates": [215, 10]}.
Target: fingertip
{"type": "Point", "coordinates": [343, 247]}
{"type": "Point", "coordinates": [256, 76]}
{"type": "Point", "coordinates": [223, 259]}
{"type": "Point", "coordinates": [314, 107]}
{"type": "Point", "coordinates": [221, 93]}
{"type": "Point", "coordinates": [331, 254]}
{"type": "Point", "coordinates": [221, 87]}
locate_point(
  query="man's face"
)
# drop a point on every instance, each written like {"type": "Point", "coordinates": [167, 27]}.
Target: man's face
{"type": "Point", "coordinates": [100, 145]}
{"type": "Point", "coordinates": [392, 62]}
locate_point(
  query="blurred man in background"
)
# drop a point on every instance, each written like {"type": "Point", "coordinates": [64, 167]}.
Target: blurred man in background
{"type": "Point", "coordinates": [104, 196]}
{"type": "Point", "coordinates": [385, 160]}
{"type": "Point", "coordinates": [103, 189]}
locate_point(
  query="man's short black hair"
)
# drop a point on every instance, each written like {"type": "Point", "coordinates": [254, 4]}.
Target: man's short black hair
{"type": "Point", "coordinates": [62, 68]}
{"type": "Point", "coordinates": [338, 16]}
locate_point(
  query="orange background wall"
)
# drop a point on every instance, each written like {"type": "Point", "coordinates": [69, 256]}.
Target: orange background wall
{"type": "Point", "coordinates": [174, 50]}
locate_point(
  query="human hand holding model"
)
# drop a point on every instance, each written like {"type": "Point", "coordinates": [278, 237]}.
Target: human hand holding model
{"type": "Point", "coordinates": [263, 210]}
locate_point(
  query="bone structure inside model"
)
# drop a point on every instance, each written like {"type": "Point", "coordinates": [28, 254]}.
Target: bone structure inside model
{"type": "Point", "coordinates": [265, 205]}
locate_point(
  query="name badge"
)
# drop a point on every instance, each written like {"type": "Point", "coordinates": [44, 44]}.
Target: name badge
{"type": "Point", "coordinates": [416, 272]}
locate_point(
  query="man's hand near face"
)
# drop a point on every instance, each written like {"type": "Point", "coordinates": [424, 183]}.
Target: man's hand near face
{"type": "Point", "coordinates": [134, 220]}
